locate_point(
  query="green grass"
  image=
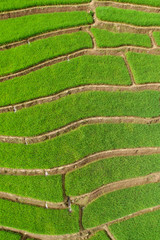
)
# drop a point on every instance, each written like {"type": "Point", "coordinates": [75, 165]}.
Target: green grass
{"type": "Point", "coordinates": [4, 235]}
{"type": "Point", "coordinates": [145, 67]}
{"type": "Point", "coordinates": [100, 236]}
{"type": "Point", "coordinates": [17, 4]}
{"type": "Point", "coordinates": [48, 188]}
{"type": "Point", "coordinates": [24, 56]}
{"type": "Point", "coordinates": [140, 2]}
{"type": "Point", "coordinates": [105, 38]}
{"type": "Point", "coordinates": [38, 220]}
{"type": "Point", "coordinates": [121, 203]}
{"type": "Point", "coordinates": [77, 144]}
{"type": "Point", "coordinates": [156, 36]}
{"type": "Point", "coordinates": [50, 116]}
{"type": "Point", "coordinates": [133, 17]}
{"type": "Point", "coordinates": [145, 225]}
{"type": "Point", "coordinates": [15, 29]}
{"type": "Point", "coordinates": [78, 71]}
{"type": "Point", "coordinates": [109, 170]}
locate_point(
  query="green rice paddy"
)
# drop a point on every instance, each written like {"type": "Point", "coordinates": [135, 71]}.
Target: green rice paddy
{"type": "Point", "coordinates": [133, 17]}
{"type": "Point", "coordinates": [50, 116]}
{"type": "Point", "coordinates": [106, 38]}
{"type": "Point", "coordinates": [28, 180]}
{"type": "Point", "coordinates": [17, 4]}
{"type": "Point", "coordinates": [79, 143]}
{"type": "Point", "coordinates": [120, 203]}
{"type": "Point", "coordinates": [25, 56]}
{"type": "Point", "coordinates": [76, 72]}
{"type": "Point", "coordinates": [15, 29]}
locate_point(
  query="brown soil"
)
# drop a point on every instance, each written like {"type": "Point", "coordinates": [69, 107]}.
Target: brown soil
{"type": "Point", "coordinates": [32, 201]}
{"type": "Point", "coordinates": [44, 9]}
{"type": "Point", "coordinates": [87, 198]}
{"type": "Point", "coordinates": [84, 199]}
{"type": "Point", "coordinates": [84, 161]}
{"type": "Point", "coordinates": [44, 64]}
{"type": "Point", "coordinates": [44, 35]}
{"type": "Point", "coordinates": [75, 125]}
{"type": "Point", "coordinates": [118, 51]}
{"type": "Point", "coordinates": [123, 27]}
{"type": "Point", "coordinates": [129, 69]}
{"type": "Point", "coordinates": [132, 215]}
{"type": "Point", "coordinates": [131, 6]}
{"type": "Point", "coordinates": [80, 89]}
{"type": "Point", "coordinates": [77, 7]}
{"type": "Point", "coordinates": [85, 234]}
{"type": "Point", "coordinates": [110, 235]}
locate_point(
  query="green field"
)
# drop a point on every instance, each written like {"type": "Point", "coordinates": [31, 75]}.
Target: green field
{"type": "Point", "coordinates": [120, 203]}
{"type": "Point", "coordinates": [145, 67]}
{"type": "Point", "coordinates": [80, 120]}
{"type": "Point", "coordinates": [78, 71]}
{"type": "Point", "coordinates": [143, 224]}
{"type": "Point", "coordinates": [15, 29]}
{"type": "Point", "coordinates": [4, 235]}
{"type": "Point", "coordinates": [50, 116]}
{"type": "Point", "coordinates": [38, 220]}
{"type": "Point", "coordinates": [106, 38]}
{"type": "Point", "coordinates": [38, 187]}
{"type": "Point", "coordinates": [25, 56]}
{"type": "Point", "coordinates": [78, 144]}
{"type": "Point", "coordinates": [17, 4]}
{"type": "Point", "coordinates": [156, 36]}
{"type": "Point", "coordinates": [143, 2]}
{"type": "Point", "coordinates": [100, 236]}
{"type": "Point", "coordinates": [110, 170]}
{"type": "Point", "coordinates": [128, 16]}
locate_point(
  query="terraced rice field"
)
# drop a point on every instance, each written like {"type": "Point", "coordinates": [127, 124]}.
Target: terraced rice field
{"type": "Point", "coordinates": [80, 120]}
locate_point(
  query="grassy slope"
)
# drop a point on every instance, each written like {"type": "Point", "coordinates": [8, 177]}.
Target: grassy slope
{"type": "Point", "coordinates": [109, 170]}
{"type": "Point", "coordinates": [105, 38]}
{"type": "Point", "coordinates": [78, 71]}
{"type": "Point", "coordinates": [141, 2]}
{"type": "Point", "coordinates": [38, 220]}
{"type": "Point", "coordinates": [77, 144]}
{"type": "Point", "coordinates": [156, 36]}
{"type": "Point", "coordinates": [17, 4]}
{"type": "Point", "coordinates": [49, 116]}
{"type": "Point", "coordinates": [4, 235]}
{"type": "Point", "coordinates": [133, 17]}
{"type": "Point", "coordinates": [14, 29]}
{"type": "Point", "coordinates": [146, 228]}
{"type": "Point", "coordinates": [145, 67]}
{"type": "Point", "coordinates": [100, 236]}
{"type": "Point", "coordinates": [24, 56]}
{"type": "Point", "coordinates": [120, 203]}
{"type": "Point", "coordinates": [38, 187]}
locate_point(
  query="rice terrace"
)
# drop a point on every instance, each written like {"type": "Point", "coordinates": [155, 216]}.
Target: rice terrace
{"type": "Point", "coordinates": [79, 120]}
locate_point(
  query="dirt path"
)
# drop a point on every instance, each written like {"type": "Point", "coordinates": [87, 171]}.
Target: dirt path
{"type": "Point", "coordinates": [75, 7]}
{"type": "Point", "coordinates": [85, 234]}
{"type": "Point", "coordinates": [110, 235]}
{"type": "Point", "coordinates": [44, 9]}
{"type": "Point", "coordinates": [32, 201]}
{"type": "Point", "coordinates": [80, 89]}
{"type": "Point", "coordinates": [135, 214]}
{"type": "Point", "coordinates": [117, 51]}
{"type": "Point", "coordinates": [87, 198]}
{"type": "Point", "coordinates": [45, 35]}
{"type": "Point", "coordinates": [131, 6]}
{"type": "Point", "coordinates": [129, 69]}
{"type": "Point", "coordinates": [82, 162]}
{"type": "Point", "coordinates": [75, 125]}
{"type": "Point", "coordinates": [124, 27]}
